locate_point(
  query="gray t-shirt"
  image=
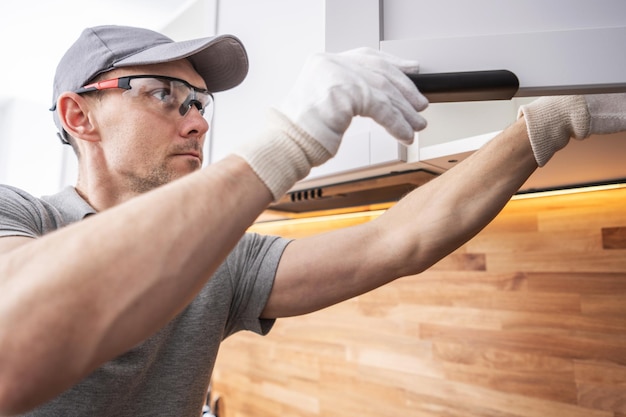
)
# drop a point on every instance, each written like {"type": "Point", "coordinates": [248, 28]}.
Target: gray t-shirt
{"type": "Point", "coordinates": [169, 373]}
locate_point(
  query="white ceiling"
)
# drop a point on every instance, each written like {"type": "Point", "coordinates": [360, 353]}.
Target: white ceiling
{"type": "Point", "coordinates": [34, 34]}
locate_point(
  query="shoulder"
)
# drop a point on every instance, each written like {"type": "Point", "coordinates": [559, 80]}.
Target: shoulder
{"type": "Point", "coordinates": [254, 257]}
{"type": "Point", "coordinates": [16, 199]}
{"type": "Point", "coordinates": [257, 248]}
{"type": "Point", "coordinates": [10, 192]}
{"type": "Point", "coordinates": [23, 214]}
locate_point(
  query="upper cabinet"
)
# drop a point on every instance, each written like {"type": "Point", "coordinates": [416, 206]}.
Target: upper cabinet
{"type": "Point", "coordinates": [551, 47]}
{"type": "Point", "coordinates": [278, 35]}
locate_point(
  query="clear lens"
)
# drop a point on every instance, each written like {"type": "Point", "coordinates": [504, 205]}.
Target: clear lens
{"type": "Point", "coordinates": [171, 95]}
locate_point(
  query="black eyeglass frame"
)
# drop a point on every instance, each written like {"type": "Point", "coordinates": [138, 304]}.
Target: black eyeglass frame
{"type": "Point", "coordinates": [124, 83]}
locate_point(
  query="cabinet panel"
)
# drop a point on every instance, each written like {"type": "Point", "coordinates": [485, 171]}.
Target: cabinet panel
{"type": "Point", "coordinates": [353, 153]}
{"type": "Point", "coordinates": [352, 24]}
{"type": "Point", "coordinates": [423, 19]}
{"type": "Point", "coordinates": [553, 48]}
{"type": "Point", "coordinates": [278, 35]}
{"type": "Point", "coordinates": [550, 62]}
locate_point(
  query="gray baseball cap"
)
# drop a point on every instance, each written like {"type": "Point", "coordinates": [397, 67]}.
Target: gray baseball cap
{"type": "Point", "coordinates": [220, 60]}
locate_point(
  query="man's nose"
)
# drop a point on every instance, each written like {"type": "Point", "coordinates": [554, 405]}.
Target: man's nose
{"type": "Point", "coordinates": [194, 122]}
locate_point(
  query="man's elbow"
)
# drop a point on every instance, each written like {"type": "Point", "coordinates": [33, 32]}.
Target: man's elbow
{"type": "Point", "coordinates": [15, 396]}
{"type": "Point", "coordinates": [9, 403]}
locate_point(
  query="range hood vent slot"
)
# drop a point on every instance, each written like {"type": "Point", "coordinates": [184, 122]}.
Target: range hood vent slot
{"type": "Point", "coordinates": [367, 191]}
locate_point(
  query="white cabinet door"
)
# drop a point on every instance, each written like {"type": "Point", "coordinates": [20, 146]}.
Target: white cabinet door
{"type": "Point", "coordinates": [352, 24]}
{"type": "Point", "coordinates": [278, 35]}
{"type": "Point", "coordinates": [553, 47]}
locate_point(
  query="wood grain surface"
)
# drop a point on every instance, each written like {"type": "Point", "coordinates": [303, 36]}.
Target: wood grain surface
{"type": "Point", "coordinates": [528, 319]}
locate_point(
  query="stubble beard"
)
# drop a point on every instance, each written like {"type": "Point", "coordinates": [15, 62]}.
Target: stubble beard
{"type": "Point", "coordinates": [158, 177]}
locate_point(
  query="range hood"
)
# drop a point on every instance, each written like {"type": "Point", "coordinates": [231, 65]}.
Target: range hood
{"type": "Point", "coordinates": [363, 192]}
{"type": "Point", "coordinates": [392, 185]}
{"type": "Point", "coordinates": [594, 161]}
{"type": "Point", "coordinates": [475, 85]}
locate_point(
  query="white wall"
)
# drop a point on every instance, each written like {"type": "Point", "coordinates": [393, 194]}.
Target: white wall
{"type": "Point", "coordinates": [30, 155]}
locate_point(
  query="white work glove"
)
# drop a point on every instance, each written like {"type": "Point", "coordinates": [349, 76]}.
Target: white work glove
{"type": "Point", "coordinates": [306, 129]}
{"type": "Point", "coordinates": [552, 121]}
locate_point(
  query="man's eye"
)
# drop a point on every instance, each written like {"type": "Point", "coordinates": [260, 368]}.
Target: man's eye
{"type": "Point", "coordinates": [163, 95]}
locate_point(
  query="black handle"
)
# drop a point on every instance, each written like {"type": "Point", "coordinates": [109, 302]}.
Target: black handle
{"type": "Point", "coordinates": [448, 87]}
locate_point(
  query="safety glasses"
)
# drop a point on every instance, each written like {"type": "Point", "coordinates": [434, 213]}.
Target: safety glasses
{"type": "Point", "coordinates": [166, 93]}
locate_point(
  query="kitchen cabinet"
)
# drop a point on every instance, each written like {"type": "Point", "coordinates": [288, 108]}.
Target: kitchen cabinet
{"type": "Point", "coordinates": [551, 46]}
{"type": "Point", "coordinates": [278, 35]}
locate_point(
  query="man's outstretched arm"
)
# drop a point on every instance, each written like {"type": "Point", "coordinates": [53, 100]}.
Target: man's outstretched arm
{"type": "Point", "coordinates": [440, 216]}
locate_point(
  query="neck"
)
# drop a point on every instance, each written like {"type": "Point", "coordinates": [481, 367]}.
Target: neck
{"type": "Point", "coordinates": [99, 190]}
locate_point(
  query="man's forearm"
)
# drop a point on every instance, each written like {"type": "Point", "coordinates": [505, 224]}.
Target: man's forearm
{"type": "Point", "coordinates": [426, 225]}
{"type": "Point", "coordinates": [442, 215]}
{"type": "Point", "coordinates": [82, 295]}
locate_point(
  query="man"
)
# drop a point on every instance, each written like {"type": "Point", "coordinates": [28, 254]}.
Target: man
{"type": "Point", "coordinates": [121, 313]}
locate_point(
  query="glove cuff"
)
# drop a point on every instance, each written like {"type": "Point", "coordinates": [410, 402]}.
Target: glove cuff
{"type": "Point", "coordinates": [551, 121]}
{"type": "Point", "coordinates": [283, 154]}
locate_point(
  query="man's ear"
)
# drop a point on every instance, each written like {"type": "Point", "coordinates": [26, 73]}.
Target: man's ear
{"type": "Point", "coordinates": [73, 111]}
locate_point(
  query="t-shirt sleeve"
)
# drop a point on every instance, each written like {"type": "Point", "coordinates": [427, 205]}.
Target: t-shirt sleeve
{"type": "Point", "coordinates": [21, 214]}
{"type": "Point", "coordinates": [252, 269]}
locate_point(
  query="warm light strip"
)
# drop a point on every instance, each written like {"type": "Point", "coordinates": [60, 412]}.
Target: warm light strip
{"type": "Point", "coordinates": [376, 213]}
{"type": "Point", "coordinates": [569, 191]}
{"type": "Point", "coordinates": [324, 218]}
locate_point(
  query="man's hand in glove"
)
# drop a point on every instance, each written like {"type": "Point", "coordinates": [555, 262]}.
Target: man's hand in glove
{"type": "Point", "coordinates": [306, 129]}
{"type": "Point", "coordinates": [552, 121]}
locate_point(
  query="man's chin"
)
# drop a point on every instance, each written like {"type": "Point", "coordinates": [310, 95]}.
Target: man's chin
{"type": "Point", "coordinates": [186, 164]}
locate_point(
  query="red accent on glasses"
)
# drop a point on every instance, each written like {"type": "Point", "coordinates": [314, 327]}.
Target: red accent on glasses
{"type": "Point", "coordinates": [101, 85]}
